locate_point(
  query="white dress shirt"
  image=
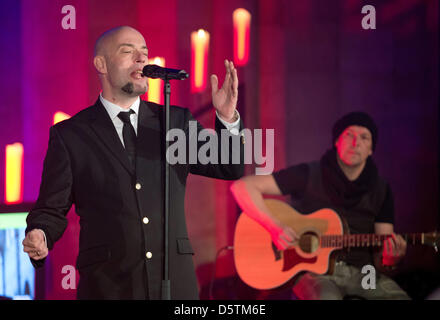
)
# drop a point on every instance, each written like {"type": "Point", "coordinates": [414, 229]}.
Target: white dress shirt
{"type": "Point", "coordinates": [113, 111]}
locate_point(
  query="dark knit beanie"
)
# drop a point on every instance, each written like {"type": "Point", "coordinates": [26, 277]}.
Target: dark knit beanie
{"type": "Point", "coordinates": [355, 119]}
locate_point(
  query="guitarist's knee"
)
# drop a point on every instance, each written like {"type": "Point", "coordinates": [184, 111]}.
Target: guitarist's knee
{"type": "Point", "coordinates": [315, 287]}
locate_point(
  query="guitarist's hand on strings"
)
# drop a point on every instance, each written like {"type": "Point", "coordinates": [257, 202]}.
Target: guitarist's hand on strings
{"type": "Point", "coordinates": [282, 236]}
{"type": "Point", "coordinates": [393, 250]}
{"type": "Point", "coordinates": [248, 192]}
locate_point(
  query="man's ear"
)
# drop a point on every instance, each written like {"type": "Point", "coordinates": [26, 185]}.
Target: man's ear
{"type": "Point", "coordinates": [100, 65]}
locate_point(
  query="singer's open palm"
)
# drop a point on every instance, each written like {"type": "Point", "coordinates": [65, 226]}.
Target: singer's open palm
{"type": "Point", "coordinates": [225, 98]}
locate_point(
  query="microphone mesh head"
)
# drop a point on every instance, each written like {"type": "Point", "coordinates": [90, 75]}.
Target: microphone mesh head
{"type": "Point", "coordinates": [154, 71]}
{"type": "Point", "coordinates": [151, 71]}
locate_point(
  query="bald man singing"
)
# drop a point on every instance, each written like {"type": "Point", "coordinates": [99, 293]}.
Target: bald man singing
{"type": "Point", "coordinates": [108, 160]}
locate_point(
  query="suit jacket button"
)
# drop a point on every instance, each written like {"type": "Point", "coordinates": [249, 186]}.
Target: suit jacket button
{"type": "Point", "coordinates": [148, 255]}
{"type": "Point", "coordinates": [138, 186]}
{"type": "Point", "coordinates": [145, 220]}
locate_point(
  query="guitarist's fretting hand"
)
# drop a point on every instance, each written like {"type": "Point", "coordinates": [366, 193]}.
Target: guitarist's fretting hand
{"type": "Point", "coordinates": [393, 250]}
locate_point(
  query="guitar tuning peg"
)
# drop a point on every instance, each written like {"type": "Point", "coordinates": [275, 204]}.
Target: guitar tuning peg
{"type": "Point", "coordinates": [435, 247]}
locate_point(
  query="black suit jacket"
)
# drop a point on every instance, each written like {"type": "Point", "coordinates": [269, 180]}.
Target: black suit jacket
{"type": "Point", "coordinates": [87, 165]}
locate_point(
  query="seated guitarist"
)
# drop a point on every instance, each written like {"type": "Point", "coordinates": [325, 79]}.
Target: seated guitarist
{"type": "Point", "coordinates": [346, 180]}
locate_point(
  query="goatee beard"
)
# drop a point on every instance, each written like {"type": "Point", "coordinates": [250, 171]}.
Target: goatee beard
{"type": "Point", "coordinates": [129, 89]}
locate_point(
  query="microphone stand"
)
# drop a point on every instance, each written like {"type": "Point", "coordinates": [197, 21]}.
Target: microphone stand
{"type": "Point", "coordinates": [165, 289]}
{"type": "Point", "coordinates": [154, 71]}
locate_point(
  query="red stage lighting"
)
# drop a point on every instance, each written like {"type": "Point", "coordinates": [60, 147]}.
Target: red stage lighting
{"type": "Point", "coordinates": [14, 173]}
{"type": "Point", "coordinates": [199, 59]}
{"type": "Point", "coordinates": [242, 25]}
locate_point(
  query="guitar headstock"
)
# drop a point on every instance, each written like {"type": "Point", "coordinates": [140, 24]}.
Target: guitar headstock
{"type": "Point", "coordinates": [432, 239]}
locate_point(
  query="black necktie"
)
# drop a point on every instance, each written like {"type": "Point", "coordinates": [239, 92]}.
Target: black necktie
{"type": "Point", "coordinates": [129, 135]}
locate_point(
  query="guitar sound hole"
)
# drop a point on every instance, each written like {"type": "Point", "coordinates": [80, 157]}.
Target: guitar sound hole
{"type": "Point", "coordinates": [309, 242]}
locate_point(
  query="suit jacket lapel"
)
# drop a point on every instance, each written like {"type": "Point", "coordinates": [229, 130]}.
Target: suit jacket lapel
{"type": "Point", "coordinates": [103, 126]}
{"type": "Point", "coordinates": [149, 115]}
{"type": "Point", "coordinates": [149, 134]}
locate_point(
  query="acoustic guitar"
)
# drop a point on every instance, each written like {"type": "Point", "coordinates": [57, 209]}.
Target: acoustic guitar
{"type": "Point", "coordinates": [262, 266]}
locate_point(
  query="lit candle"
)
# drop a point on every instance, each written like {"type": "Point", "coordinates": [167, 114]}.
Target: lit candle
{"type": "Point", "coordinates": [155, 86]}
{"type": "Point", "coordinates": [199, 59]}
{"type": "Point", "coordinates": [242, 25]}
{"type": "Point", "coordinates": [60, 116]}
{"type": "Point", "coordinates": [14, 173]}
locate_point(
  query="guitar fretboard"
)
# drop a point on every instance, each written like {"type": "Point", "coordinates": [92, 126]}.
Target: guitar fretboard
{"type": "Point", "coordinates": [366, 240]}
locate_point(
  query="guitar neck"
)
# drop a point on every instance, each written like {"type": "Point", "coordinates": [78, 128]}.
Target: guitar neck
{"type": "Point", "coordinates": [366, 240]}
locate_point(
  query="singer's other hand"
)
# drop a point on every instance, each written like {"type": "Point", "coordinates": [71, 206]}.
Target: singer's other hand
{"type": "Point", "coordinates": [34, 245]}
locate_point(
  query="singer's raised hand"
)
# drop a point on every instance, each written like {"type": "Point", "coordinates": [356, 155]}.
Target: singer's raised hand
{"type": "Point", "coordinates": [225, 98]}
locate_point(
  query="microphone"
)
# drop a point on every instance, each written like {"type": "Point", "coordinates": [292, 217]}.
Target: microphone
{"type": "Point", "coordinates": [154, 71]}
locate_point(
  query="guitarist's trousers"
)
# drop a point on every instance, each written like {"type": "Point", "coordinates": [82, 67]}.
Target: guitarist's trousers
{"type": "Point", "coordinates": [348, 281]}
